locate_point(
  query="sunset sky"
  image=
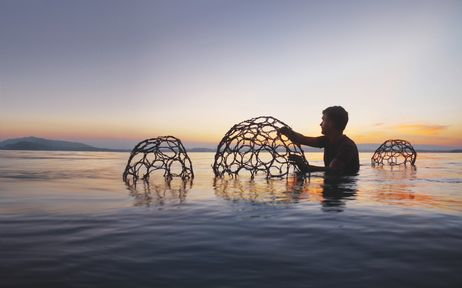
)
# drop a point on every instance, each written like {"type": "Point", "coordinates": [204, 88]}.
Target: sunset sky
{"type": "Point", "coordinates": [111, 73]}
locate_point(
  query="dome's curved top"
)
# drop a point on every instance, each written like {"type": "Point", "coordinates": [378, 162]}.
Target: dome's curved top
{"type": "Point", "coordinates": [255, 145]}
{"type": "Point", "coordinates": [161, 153]}
{"type": "Point", "coordinates": [394, 152]}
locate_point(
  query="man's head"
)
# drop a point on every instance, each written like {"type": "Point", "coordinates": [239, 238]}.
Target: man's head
{"type": "Point", "coordinates": [334, 118]}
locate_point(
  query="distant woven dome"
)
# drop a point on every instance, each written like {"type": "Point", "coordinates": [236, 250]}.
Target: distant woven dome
{"type": "Point", "coordinates": [394, 152]}
{"type": "Point", "coordinates": [256, 146]}
{"type": "Point", "coordinates": [165, 153]}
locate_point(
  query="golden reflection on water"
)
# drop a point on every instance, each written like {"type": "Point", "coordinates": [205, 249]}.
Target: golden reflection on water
{"type": "Point", "coordinates": [36, 182]}
{"type": "Point", "coordinates": [396, 186]}
{"type": "Point", "coordinates": [399, 186]}
{"type": "Point", "coordinates": [330, 192]}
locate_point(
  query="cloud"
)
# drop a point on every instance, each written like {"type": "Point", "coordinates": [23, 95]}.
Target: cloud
{"type": "Point", "coordinates": [420, 129]}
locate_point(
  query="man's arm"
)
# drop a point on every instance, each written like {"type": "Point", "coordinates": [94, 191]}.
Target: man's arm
{"type": "Point", "coordinates": [338, 164]}
{"type": "Point", "coordinates": [335, 167]}
{"type": "Point", "coordinates": [313, 168]}
{"type": "Point", "coordinates": [300, 138]}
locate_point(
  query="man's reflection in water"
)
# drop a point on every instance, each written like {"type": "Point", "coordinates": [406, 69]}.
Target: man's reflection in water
{"type": "Point", "coordinates": [336, 191]}
{"type": "Point", "coordinates": [331, 191]}
{"type": "Point", "coordinates": [159, 192]}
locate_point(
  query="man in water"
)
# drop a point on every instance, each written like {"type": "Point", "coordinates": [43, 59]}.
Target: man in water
{"type": "Point", "coordinates": [340, 152]}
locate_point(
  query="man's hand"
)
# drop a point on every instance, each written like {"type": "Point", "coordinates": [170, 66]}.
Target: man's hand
{"type": "Point", "coordinates": [287, 132]}
{"type": "Point", "coordinates": [298, 138]}
{"type": "Point", "coordinates": [304, 166]}
{"type": "Point", "coordinates": [299, 162]}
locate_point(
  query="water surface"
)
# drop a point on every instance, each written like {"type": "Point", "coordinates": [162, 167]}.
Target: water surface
{"type": "Point", "coordinates": [68, 220]}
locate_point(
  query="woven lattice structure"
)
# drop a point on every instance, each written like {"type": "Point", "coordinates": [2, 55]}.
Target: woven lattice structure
{"type": "Point", "coordinates": [165, 153]}
{"type": "Point", "coordinates": [256, 146]}
{"type": "Point", "coordinates": [394, 152]}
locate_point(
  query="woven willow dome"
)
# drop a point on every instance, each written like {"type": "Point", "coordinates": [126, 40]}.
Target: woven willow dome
{"type": "Point", "coordinates": [394, 152]}
{"type": "Point", "coordinates": [256, 146]}
{"type": "Point", "coordinates": [165, 153]}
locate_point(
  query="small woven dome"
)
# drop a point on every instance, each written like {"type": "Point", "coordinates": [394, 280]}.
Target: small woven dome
{"type": "Point", "coordinates": [394, 152]}
{"type": "Point", "coordinates": [162, 153]}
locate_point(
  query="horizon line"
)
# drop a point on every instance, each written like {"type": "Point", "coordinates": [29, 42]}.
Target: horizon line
{"type": "Point", "coordinates": [207, 145]}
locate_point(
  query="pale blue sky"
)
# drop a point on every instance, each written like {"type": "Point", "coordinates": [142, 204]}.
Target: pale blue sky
{"type": "Point", "coordinates": [114, 72]}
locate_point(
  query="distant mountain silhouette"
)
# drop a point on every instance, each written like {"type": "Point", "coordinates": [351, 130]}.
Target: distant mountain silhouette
{"type": "Point", "coordinates": [201, 149]}
{"type": "Point", "coordinates": [35, 143]}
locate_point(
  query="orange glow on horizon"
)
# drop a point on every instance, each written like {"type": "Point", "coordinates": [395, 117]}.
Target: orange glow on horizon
{"type": "Point", "coordinates": [429, 134]}
{"type": "Point", "coordinates": [425, 134]}
{"type": "Point", "coordinates": [421, 129]}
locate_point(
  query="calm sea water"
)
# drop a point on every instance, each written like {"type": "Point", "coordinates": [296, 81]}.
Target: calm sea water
{"type": "Point", "coordinates": [68, 220]}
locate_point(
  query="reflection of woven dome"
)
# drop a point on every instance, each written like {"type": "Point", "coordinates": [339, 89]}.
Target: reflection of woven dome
{"type": "Point", "coordinates": [162, 153]}
{"type": "Point", "coordinates": [255, 145]}
{"type": "Point", "coordinates": [271, 191]}
{"type": "Point", "coordinates": [168, 192]}
{"type": "Point", "coordinates": [394, 152]}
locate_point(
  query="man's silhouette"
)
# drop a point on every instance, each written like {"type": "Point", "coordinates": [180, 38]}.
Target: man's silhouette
{"type": "Point", "coordinates": [340, 152]}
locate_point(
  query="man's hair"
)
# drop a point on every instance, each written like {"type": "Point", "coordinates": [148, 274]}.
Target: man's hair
{"type": "Point", "coordinates": [337, 115]}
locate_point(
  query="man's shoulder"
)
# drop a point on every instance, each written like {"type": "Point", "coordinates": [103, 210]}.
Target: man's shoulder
{"type": "Point", "coordinates": [348, 139]}
{"type": "Point", "coordinates": [349, 142]}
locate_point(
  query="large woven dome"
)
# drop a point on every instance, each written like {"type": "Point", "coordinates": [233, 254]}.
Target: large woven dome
{"type": "Point", "coordinates": [256, 146]}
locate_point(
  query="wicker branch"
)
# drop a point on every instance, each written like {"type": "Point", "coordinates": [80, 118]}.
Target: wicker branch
{"type": "Point", "coordinates": [394, 152]}
{"type": "Point", "coordinates": [257, 146]}
{"type": "Point", "coordinates": [162, 153]}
